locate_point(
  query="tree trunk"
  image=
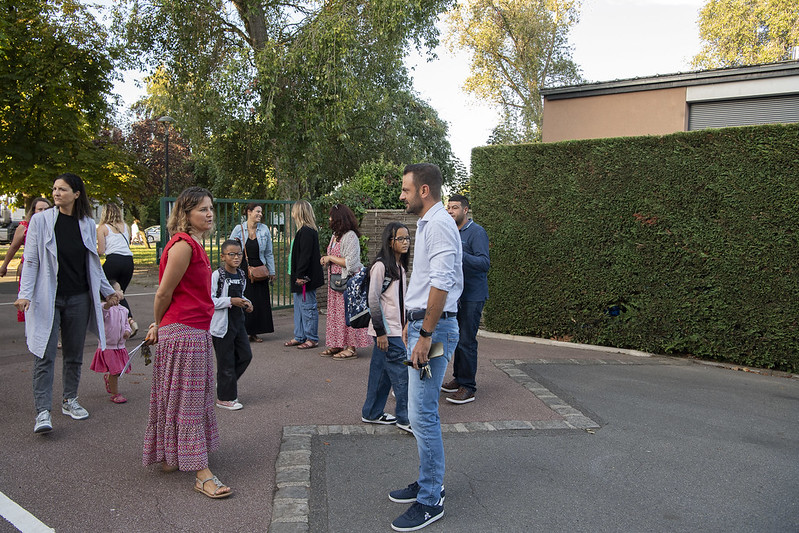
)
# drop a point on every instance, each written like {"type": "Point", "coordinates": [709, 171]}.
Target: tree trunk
{"type": "Point", "coordinates": [252, 15]}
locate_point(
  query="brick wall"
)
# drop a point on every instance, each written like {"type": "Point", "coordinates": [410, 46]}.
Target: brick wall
{"type": "Point", "coordinates": [375, 220]}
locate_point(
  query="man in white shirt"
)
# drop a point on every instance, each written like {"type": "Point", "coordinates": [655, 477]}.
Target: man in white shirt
{"type": "Point", "coordinates": [431, 304]}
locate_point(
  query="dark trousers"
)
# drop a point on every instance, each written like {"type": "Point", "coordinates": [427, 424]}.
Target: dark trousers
{"type": "Point", "coordinates": [464, 362]}
{"type": "Point", "coordinates": [71, 318]}
{"type": "Point", "coordinates": [233, 356]}
{"type": "Point", "coordinates": [119, 268]}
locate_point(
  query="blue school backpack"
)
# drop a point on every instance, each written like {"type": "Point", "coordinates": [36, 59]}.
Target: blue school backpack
{"type": "Point", "coordinates": [356, 299]}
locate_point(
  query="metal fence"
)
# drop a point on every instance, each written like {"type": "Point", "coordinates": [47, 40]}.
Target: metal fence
{"type": "Point", "coordinates": [230, 212]}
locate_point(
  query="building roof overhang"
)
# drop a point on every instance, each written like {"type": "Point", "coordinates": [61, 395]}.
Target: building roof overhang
{"type": "Point", "coordinates": [670, 81]}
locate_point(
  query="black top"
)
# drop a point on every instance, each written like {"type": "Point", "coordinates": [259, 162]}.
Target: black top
{"type": "Point", "coordinates": [234, 291]}
{"type": "Point", "coordinates": [72, 278]}
{"type": "Point", "coordinates": [306, 260]}
{"type": "Point", "coordinates": [253, 253]}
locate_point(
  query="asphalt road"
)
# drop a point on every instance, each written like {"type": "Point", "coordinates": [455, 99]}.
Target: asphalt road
{"type": "Point", "coordinates": [612, 443]}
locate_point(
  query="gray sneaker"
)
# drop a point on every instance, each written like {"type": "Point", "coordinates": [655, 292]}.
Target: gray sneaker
{"type": "Point", "coordinates": [44, 422]}
{"type": "Point", "coordinates": [72, 408]}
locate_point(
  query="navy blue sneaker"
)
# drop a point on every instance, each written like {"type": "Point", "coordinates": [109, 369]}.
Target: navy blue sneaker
{"type": "Point", "coordinates": [417, 516]}
{"type": "Point", "coordinates": [409, 493]}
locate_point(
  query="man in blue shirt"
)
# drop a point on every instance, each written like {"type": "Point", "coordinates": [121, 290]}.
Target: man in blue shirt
{"type": "Point", "coordinates": [431, 335]}
{"type": "Point", "coordinates": [476, 263]}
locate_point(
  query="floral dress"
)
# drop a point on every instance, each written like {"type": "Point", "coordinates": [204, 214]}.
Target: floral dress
{"type": "Point", "coordinates": [337, 334]}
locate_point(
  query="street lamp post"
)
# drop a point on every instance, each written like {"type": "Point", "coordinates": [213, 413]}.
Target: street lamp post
{"type": "Point", "coordinates": [167, 120]}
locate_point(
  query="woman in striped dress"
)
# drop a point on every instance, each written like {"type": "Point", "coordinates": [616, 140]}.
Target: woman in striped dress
{"type": "Point", "coordinates": [182, 429]}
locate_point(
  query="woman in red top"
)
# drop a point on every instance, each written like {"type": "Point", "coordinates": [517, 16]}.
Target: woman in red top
{"type": "Point", "coordinates": [182, 429]}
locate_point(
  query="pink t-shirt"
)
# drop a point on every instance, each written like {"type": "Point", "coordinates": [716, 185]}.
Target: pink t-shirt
{"type": "Point", "coordinates": [115, 322]}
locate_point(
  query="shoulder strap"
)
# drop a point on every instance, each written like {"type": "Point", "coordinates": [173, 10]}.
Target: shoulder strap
{"type": "Point", "coordinates": [220, 282]}
{"type": "Point", "coordinates": [243, 279]}
{"type": "Point", "coordinates": [244, 237]}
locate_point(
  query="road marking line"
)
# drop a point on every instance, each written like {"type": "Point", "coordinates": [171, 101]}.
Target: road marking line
{"type": "Point", "coordinates": [20, 518]}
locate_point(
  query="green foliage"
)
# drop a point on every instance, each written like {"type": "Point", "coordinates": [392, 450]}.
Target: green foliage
{"type": "Point", "coordinates": [747, 32]}
{"type": "Point", "coordinates": [682, 244]}
{"type": "Point", "coordinates": [517, 47]}
{"type": "Point", "coordinates": [288, 99]}
{"type": "Point", "coordinates": [376, 185]}
{"type": "Point", "coordinates": [55, 88]}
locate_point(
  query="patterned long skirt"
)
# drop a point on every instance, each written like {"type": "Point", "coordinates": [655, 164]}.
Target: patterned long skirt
{"type": "Point", "coordinates": [182, 429]}
{"type": "Point", "coordinates": [337, 334]}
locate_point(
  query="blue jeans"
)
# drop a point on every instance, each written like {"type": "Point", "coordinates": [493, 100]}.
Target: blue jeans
{"type": "Point", "coordinates": [72, 314]}
{"type": "Point", "coordinates": [423, 395]}
{"type": "Point", "coordinates": [306, 317]}
{"type": "Point", "coordinates": [464, 362]}
{"type": "Point", "coordinates": [385, 371]}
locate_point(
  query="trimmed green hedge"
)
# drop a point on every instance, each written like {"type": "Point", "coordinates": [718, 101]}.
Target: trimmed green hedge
{"type": "Point", "coordinates": [681, 244]}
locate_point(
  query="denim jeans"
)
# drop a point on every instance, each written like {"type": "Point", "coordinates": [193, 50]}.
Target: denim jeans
{"type": "Point", "coordinates": [385, 371]}
{"type": "Point", "coordinates": [423, 395]}
{"type": "Point", "coordinates": [71, 318]}
{"type": "Point", "coordinates": [306, 317]}
{"type": "Point", "coordinates": [464, 362]}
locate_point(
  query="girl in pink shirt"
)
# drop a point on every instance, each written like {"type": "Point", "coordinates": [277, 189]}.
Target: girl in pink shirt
{"type": "Point", "coordinates": [113, 359]}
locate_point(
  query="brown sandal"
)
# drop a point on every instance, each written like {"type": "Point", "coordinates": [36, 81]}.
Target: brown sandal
{"type": "Point", "coordinates": [292, 342]}
{"type": "Point", "coordinates": [307, 345]}
{"type": "Point", "coordinates": [349, 353]}
{"type": "Point", "coordinates": [330, 351]}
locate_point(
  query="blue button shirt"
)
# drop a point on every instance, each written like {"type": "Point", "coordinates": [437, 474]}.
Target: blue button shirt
{"type": "Point", "coordinates": [437, 260]}
{"type": "Point", "coordinates": [476, 262]}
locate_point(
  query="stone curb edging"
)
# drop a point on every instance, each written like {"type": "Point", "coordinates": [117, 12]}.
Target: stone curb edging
{"type": "Point", "coordinates": [291, 502]}
{"type": "Point", "coordinates": [560, 344]}
{"type": "Point", "coordinates": [634, 353]}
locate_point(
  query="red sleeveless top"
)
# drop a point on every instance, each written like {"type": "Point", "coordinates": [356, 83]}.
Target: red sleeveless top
{"type": "Point", "coordinates": [191, 301]}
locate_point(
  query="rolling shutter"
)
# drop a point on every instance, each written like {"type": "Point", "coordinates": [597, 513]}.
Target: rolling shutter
{"type": "Point", "coordinates": [781, 109]}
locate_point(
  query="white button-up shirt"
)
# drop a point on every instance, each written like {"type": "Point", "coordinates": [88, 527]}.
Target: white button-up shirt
{"type": "Point", "coordinates": [437, 260]}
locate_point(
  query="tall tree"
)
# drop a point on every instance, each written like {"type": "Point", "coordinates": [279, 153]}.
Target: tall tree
{"type": "Point", "coordinates": [747, 32]}
{"type": "Point", "coordinates": [289, 97]}
{"type": "Point", "coordinates": [517, 47]}
{"type": "Point", "coordinates": [55, 88]}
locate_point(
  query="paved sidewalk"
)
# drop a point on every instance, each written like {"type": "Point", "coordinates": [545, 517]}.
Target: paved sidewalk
{"type": "Point", "coordinates": [559, 439]}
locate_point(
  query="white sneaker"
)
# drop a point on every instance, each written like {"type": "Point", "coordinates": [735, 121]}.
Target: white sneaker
{"type": "Point", "coordinates": [233, 405]}
{"type": "Point", "coordinates": [44, 422]}
{"type": "Point", "coordinates": [405, 427]}
{"type": "Point", "coordinates": [385, 418]}
{"type": "Point", "coordinates": [72, 408]}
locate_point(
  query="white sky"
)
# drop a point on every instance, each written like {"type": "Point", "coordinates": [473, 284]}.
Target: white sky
{"type": "Point", "coordinates": [615, 39]}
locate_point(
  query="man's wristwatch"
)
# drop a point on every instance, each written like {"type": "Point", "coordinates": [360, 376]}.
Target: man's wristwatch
{"type": "Point", "coordinates": [424, 333]}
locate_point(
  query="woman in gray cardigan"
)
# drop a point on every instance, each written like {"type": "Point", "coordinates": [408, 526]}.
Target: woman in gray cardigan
{"type": "Point", "coordinates": [343, 257]}
{"type": "Point", "coordinates": [61, 285]}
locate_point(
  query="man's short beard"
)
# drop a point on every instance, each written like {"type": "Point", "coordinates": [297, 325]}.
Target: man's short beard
{"type": "Point", "coordinates": [412, 209]}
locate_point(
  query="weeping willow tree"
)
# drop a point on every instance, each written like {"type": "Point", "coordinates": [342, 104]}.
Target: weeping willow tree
{"type": "Point", "coordinates": [287, 98]}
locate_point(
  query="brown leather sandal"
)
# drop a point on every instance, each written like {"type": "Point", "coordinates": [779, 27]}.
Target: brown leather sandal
{"type": "Point", "coordinates": [307, 345]}
{"type": "Point", "coordinates": [349, 353]}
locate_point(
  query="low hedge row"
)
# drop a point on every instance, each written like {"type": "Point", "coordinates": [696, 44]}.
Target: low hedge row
{"type": "Point", "coordinates": [680, 244]}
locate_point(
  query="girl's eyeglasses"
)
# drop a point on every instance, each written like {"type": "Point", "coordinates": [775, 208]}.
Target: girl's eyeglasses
{"type": "Point", "coordinates": [402, 239]}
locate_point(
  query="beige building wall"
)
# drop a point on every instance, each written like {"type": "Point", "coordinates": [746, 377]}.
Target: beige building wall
{"type": "Point", "coordinates": [655, 112]}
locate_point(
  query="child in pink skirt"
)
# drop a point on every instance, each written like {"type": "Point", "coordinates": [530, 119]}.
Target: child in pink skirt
{"type": "Point", "coordinates": [115, 356]}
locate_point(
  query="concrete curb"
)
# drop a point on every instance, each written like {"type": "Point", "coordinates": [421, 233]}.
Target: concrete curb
{"type": "Point", "coordinates": [560, 344]}
{"type": "Point", "coordinates": [634, 353]}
